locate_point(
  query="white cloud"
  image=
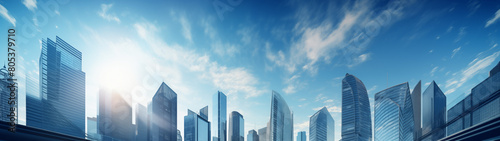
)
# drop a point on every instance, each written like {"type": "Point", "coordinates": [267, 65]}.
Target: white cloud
{"type": "Point", "coordinates": [186, 27]}
{"type": "Point", "coordinates": [360, 59]}
{"type": "Point", "coordinates": [495, 45]}
{"type": "Point", "coordinates": [328, 101]}
{"type": "Point", "coordinates": [373, 88]}
{"type": "Point", "coordinates": [461, 34]}
{"type": "Point", "coordinates": [430, 51]}
{"type": "Point", "coordinates": [289, 89]}
{"type": "Point", "coordinates": [434, 70]}
{"type": "Point", "coordinates": [331, 109]}
{"type": "Point", "coordinates": [5, 14]}
{"type": "Point", "coordinates": [224, 49]}
{"type": "Point", "coordinates": [30, 4]}
{"type": "Point", "coordinates": [105, 15]}
{"type": "Point", "coordinates": [455, 51]}
{"type": "Point", "coordinates": [320, 97]}
{"type": "Point", "coordinates": [493, 19]}
{"type": "Point", "coordinates": [473, 68]}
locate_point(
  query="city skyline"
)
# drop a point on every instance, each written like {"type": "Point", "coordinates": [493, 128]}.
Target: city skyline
{"type": "Point", "coordinates": [248, 53]}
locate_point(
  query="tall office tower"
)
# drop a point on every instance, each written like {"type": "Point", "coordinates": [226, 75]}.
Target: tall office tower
{"type": "Point", "coordinates": [5, 90]}
{"type": "Point", "coordinates": [301, 136]}
{"type": "Point", "coordinates": [321, 126]}
{"type": "Point", "coordinates": [197, 127]}
{"type": "Point", "coordinates": [62, 90]}
{"type": "Point", "coordinates": [219, 122]}
{"type": "Point", "coordinates": [115, 116]}
{"type": "Point", "coordinates": [416, 101]}
{"type": "Point", "coordinates": [434, 113]}
{"type": "Point", "coordinates": [281, 122]}
{"type": "Point", "coordinates": [34, 110]}
{"type": "Point", "coordinates": [356, 115]}
{"type": "Point", "coordinates": [394, 114]}
{"type": "Point", "coordinates": [252, 136]}
{"type": "Point", "coordinates": [92, 133]}
{"type": "Point", "coordinates": [179, 137]}
{"type": "Point", "coordinates": [263, 134]}
{"type": "Point", "coordinates": [479, 110]}
{"type": "Point", "coordinates": [163, 118]}
{"type": "Point", "coordinates": [141, 122]}
{"type": "Point", "coordinates": [236, 127]}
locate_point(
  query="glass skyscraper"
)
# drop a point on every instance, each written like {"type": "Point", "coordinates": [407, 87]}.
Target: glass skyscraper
{"type": "Point", "coordinates": [434, 113]}
{"type": "Point", "coordinates": [141, 123]}
{"type": "Point", "coordinates": [115, 116]}
{"type": "Point", "coordinates": [301, 136]}
{"type": "Point", "coordinates": [356, 115]}
{"type": "Point", "coordinates": [263, 134]}
{"type": "Point", "coordinates": [219, 122]}
{"type": "Point", "coordinates": [197, 127]}
{"type": "Point", "coordinates": [62, 90]}
{"type": "Point", "coordinates": [281, 122]}
{"type": "Point", "coordinates": [394, 114]}
{"type": "Point", "coordinates": [416, 101]}
{"type": "Point", "coordinates": [163, 116]}
{"type": "Point", "coordinates": [179, 137]}
{"type": "Point", "coordinates": [236, 127]}
{"type": "Point", "coordinates": [5, 95]}
{"type": "Point", "coordinates": [92, 133]}
{"type": "Point", "coordinates": [252, 136]}
{"type": "Point", "coordinates": [321, 126]}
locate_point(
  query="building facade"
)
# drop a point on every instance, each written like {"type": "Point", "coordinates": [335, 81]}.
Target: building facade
{"type": "Point", "coordinates": [321, 126]}
{"type": "Point", "coordinates": [356, 115]}
{"type": "Point", "coordinates": [197, 126]}
{"type": "Point", "coordinates": [252, 136]}
{"type": "Point", "coordinates": [416, 97]}
{"type": "Point", "coordinates": [163, 118]}
{"type": "Point", "coordinates": [281, 122]}
{"type": "Point", "coordinates": [115, 116]}
{"type": "Point", "coordinates": [263, 134]}
{"type": "Point", "coordinates": [5, 95]}
{"type": "Point", "coordinates": [394, 114]}
{"type": "Point", "coordinates": [141, 122]}
{"type": "Point", "coordinates": [219, 112]}
{"type": "Point", "coordinates": [434, 113]}
{"type": "Point", "coordinates": [92, 130]}
{"type": "Point", "coordinates": [301, 136]}
{"type": "Point", "coordinates": [179, 137]}
{"type": "Point", "coordinates": [236, 127]}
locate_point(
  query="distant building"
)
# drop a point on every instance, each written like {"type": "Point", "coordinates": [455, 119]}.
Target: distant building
{"type": "Point", "coordinates": [281, 122]}
{"type": "Point", "coordinates": [434, 113]}
{"type": "Point", "coordinates": [416, 98]}
{"type": "Point", "coordinates": [263, 134]}
{"type": "Point", "coordinates": [219, 122]}
{"type": "Point", "coordinates": [5, 81]}
{"type": "Point", "coordinates": [179, 137]}
{"type": "Point", "coordinates": [115, 117]}
{"type": "Point", "coordinates": [356, 115]}
{"type": "Point", "coordinates": [141, 122]}
{"type": "Point", "coordinates": [163, 115]}
{"type": "Point", "coordinates": [394, 114]}
{"type": "Point", "coordinates": [197, 126]}
{"type": "Point", "coordinates": [92, 133]}
{"type": "Point", "coordinates": [301, 136]}
{"type": "Point", "coordinates": [321, 126]}
{"type": "Point", "coordinates": [236, 127]}
{"type": "Point", "coordinates": [252, 136]}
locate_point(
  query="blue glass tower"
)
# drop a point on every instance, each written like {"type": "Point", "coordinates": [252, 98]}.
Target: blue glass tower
{"type": "Point", "coordinates": [5, 81]}
{"type": "Point", "coordinates": [252, 136]}
{"type": "Point", "coordinates": [434, 113]}
{"type": "Point", "coordinates": [356, 115]}
{"type": "Point", "coordinates": [236, 127]}
{"type": "Point", "coordinates": [394, 114]}
{"type": "Point", "coordinates": [321, 126]}
{"type": "Point", "coordinates": [219, 128]}
{"type": "Point", "coordinates": [301, 136]}
{"type": "Point", "coordinates": [62, 90]}
{"type": "Point", "coordinates": [141, 123]}
{"type": "Point", "coordinates": [197, 127]}
{"type": "Point", "coordinates": [281, 122]}
{"type": "Point", "coordinates": [163, 116]}
{"type": "Point", "coordinates": [115, 116]}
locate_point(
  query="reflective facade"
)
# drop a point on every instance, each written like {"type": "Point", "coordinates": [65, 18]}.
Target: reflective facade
{"type": "Point", "coordinates": [252, 136]}
{"type": "Point", "coordinates": [219, 122]}
{"type": "Point", "coordinates": [92, 133]}
{"type": "Point", "coordinates": [62, 90]}
{"type": "Point", "coordinates": [197, 127]}
{"type": "Point", "coordinates": [478, 107]}
{"type": "Point", "coordinates": [356, 115]}
{"type": "Point", "coordinates": [416, 98]}
{"type": "Point", "coordinates": [236, 127]}
{"type": "Point", "coordinates": [115, 116]}
{"type": "Point", "coordinates": [5, 81]}
{"type": "Point", "coordinates": [141, 123]}
{"type": "Point", "coordinates": [321, 126]}
{"type": "Point", "coordinates": [301, 136]}
{"type": "Point", "coordinates": [281, 123]}
{"type": "Point", "coordinates": [394, 114]}
{"type": "Point", "coordinates": [263, 134]}
{"type": "Point", "coordinates": [433, 113]}
{"type": "Point", "coordinates": [163, 117]}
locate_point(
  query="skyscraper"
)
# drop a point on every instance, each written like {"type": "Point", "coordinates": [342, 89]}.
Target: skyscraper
{"type": "Point", "coordinates": [163, 116]}
{"type": "Point", "coordinates": [416, 101]}
{"type": "Point", "coordinates": [252, 136]}
{"type": "Point", "coordinates": [92, 133]}
{"type": "Point", "coordinates": [62, 90]}
{"type": "Point", "coordinates": [115, 116]}
{"type": "Point", "coordinates": [281, 122]}
{"type": "Point", "coordinates": [301, 136]}
{"type": "Point", "coordinates": [321, 126]}
{"type": "Point", "coordinates": [197, 126]}
{"type": "Point", "coordinates": [236, 127]}
{"type": "Point", "coordinates": [5, 81]}
{"type": "Point", "coordinates": [394, 114]}
{"type": "Point", "coordinates": [356, 115]}
{"type": "Point", "coordinates": [141, 122]}
{"type": "Point", "coordinates": [179, 137]}
{"type": "Point", "coordinates": [434, 113]}
{"type": "Point", "coordinates": [263, 134]}
{"type": "Point", "coordinates": [219, 122]}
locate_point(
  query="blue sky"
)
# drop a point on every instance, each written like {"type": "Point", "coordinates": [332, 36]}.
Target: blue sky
{"type": "Point", "coordinates": [301, 49]}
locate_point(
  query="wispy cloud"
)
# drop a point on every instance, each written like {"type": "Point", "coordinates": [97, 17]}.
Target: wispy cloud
{"type": "Point", "coordinates": [360, 59]}
{"type": "Point", "coordinates": [434, 70]}
{"type": "Point", "coordinates": [30, 4]}
{"type": "Point", "coordinates": [105, 15]}
{"type": "Point", "coordinates": [455, 51]}
{"type": "Point", "coordinates": [5, 14]}
{"type": "Point", "coordinates": [493, 19]}
{"type": "Point", "coordinates": [186, 27]}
